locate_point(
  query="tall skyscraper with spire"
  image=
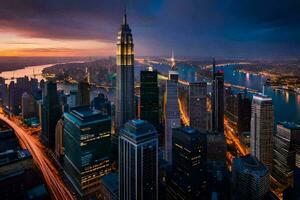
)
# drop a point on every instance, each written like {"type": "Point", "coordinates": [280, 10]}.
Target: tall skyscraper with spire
{"type": "Point", "coordinates": [125, 109]}
{"type": "Point", "coordinates": [217, 101]}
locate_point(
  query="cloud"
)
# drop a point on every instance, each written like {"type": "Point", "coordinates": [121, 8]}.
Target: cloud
{"type": "Point", "coordinates": [197, 27]}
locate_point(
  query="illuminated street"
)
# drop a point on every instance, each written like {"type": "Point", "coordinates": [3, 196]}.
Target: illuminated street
{"type": "Point", "coordinates": [183, 115]}
{"type": "Point", "coordinates": [52, 178]}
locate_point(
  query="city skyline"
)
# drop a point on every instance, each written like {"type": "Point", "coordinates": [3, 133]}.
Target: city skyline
{"type": "Point", "coordinates": [153, 127]}
{"type": "Point", "coordinates": [202, 28]}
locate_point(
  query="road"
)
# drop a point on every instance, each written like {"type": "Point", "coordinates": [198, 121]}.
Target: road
{"type": "Point", "coordinates": [183, 115]}
{"type": "Point", "coordinates": [52, 178]}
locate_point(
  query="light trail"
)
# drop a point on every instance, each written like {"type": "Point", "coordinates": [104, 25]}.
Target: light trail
{"type": "Point", "coordinates": [183, 115]}
{"type": "Point", "coordinates": [229, 134]}
{"type": "Point", "coordinates": [51, 176]}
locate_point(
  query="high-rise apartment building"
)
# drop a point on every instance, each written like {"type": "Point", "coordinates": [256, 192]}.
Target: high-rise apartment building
{"type": "Point", "coordinates": [188, 179]}
{"type": "Point", "coordinates": [138, 161]}
{"type": "Point", "coordinates": [217, 100]}
{"type": "Point", "coordinates": [51, 113]}
{"type": "Point", "coordinates": [197, 105]}
{"type": "Point", "coordinates": [149, 109]}
{"type": "Point", "coordinates": [284, 152]}
{"type": "Point", "coordinates": [87, 143]}
{"type": "Point", "coordinates": [172, 114]}
{"type": "Point", "coordinates": [262, 127]}
{"type": "Point", "coordinates": [250, 178]}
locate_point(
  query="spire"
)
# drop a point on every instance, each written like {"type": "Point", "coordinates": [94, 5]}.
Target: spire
{"type": "Point", "coordinates": [125, 17]}
{"type": "Point", "coordinates": [214, 68]}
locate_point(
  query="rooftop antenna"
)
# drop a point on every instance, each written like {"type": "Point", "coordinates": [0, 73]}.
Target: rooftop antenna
{"type": "Point", "coordinates": [125, 15]}
{"type": "Point", "coordinates": [214, 67]}
{"type": "Point", "coordinates": [173, 60]}
{"type": "Point", "coordinates": [33, 73]}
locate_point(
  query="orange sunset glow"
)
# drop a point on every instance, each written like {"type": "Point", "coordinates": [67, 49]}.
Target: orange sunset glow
{"type": "Point", "coordinates": [15, 45]}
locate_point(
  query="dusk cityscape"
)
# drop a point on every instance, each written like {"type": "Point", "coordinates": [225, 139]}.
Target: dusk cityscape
{"type": "Point", "coordinates": [149, 100]}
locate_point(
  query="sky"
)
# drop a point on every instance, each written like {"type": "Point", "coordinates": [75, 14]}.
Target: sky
{"type": "Point", "coordinates": [196, 28]}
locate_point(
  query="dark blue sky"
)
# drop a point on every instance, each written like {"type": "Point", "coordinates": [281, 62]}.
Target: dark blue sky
{"type": "Point", "coordinates": [221, 28]}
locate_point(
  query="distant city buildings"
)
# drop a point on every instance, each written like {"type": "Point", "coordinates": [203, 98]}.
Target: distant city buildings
{"type": "Point", "coordinates": [172, 114]}
{"type": "Point", "coordinates": [284, 152]}
{"type": "Point", "coordinates": [51, 113]}
{"type": "Point", "coordinates": [102, 103]}
{"type": "Point", "coordinates": [217, 100]}
{"type": "Point", "coordinates": [262, 127]}
{"type": "Point", "coordinates": [87, 143]}
{"type": "Point", "coordinates": [188, 179]}
{"type": "Point", "coordinates": [250, 178]}
{"type": "Point", "coordinates": [138, 161]}
{"type": "Point", "coordinates": [150, 97]}
{"type": "Point", "coordinates": [198, 105]}
{"type": "Point", "coordinates": [125, 104]}
{"type": "Point", "coordinates": [28, 105]}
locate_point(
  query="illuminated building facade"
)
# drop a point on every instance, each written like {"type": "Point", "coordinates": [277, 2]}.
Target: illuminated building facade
{"type": "Point", "coordinates": [250, 178]}
{"type": "Point", "coordinates": [284, 152]}
{"type": "Point", "coordinates": [189, 175]}
{"type": "Point", "coordinates": [172, 114]}
{"type": "Point", "coordinates": [87, 135]}
{"type": "Point", "coordinates": [197, 105]}
{"type": "Point", "coordinates": [138, 161]}
{"type": "Point", "coordinates": [59, 131]}
{"type": "Point", "coordinates": [150, 97]}
{"type": "Point", "coordinates": [125, 108]}
{"type": "Point", "coordinates": [262, 126]}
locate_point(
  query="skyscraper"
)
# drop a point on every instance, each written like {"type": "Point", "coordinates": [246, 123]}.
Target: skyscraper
{"type": "Point", "coordinates": [150, 97]}
{"type": "Point", "coordinates": [59, 132]}
{"type": "Point", "coordinates": [125, 108]}
{"type": "Point", "coordinates": [189, 175]}
{"type": "Point", "coordinates": [138, 161]}
{"type": "Point", "coordinates": [87, 142]}
{"type": "Point", "coordinates": [284, 152]}
{"type": "Point", "coordinates": [217, 100]}
{"type": "Point", "coordinates": [238, 111]}
{"type": "Point", "coordinates": [250, 178]}
{"type": "Point", "coordinates": [197, 105]}
{"type": "Point", "coordinates": [28, 106]}
{"type": "Point", "coordinates": [262, 125]}
{"type": "Point", "coordinates": [172, 114]}
{"type": "Point", "coordinates": [51, 113]}
{"type": "Point", "coordinates": [83, 93]}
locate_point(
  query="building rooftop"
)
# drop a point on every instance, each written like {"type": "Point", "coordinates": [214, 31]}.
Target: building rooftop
{"type": "Point", "coordinates": [137, 129]}
{"type": "Point", "coordinates": [290, 125]}
{"type": "Point", "coordinates": [189, 130]}
{"type": "Point", "coordinates": [84, 115]}
{"type": "Point", "coordinates": [251, 165]}
{"type": "Point", "coordinates": [111, 182]}
{"type": "Point", "coordinates": [11, 155]}
{"type": "Point", "coordinates": [261, 97]}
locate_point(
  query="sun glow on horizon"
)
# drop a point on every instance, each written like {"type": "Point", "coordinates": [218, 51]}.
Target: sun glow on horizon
{"type": "Point", "coordinates": [15, 45]}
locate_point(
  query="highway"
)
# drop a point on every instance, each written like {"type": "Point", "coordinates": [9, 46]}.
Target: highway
{"type": "Point", "coordinates": [51, 176]}
{"type": "Point", "coordinates": [230, 135]}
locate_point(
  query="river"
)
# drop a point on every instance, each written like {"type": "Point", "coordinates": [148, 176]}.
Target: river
{"type": "Point", "coordinates": [286, 104]}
